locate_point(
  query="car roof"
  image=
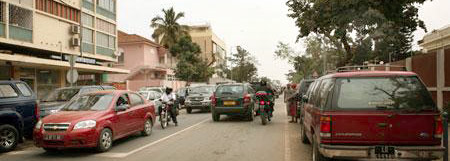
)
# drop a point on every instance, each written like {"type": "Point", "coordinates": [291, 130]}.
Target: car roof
{"type": "Point", "coordinates": [369, 74]}
{"type": "Point", "coordinates": [115, 92]}
{"type": "Point", "coordinates": [11, 81]}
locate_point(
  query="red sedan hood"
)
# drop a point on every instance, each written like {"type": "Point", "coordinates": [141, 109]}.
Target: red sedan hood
{"type": "Point", "coordinates": [72, 116]}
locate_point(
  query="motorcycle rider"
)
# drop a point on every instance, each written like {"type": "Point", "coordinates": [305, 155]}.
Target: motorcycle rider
{"type": "Point", "coordinates": [167, 97]}
{"type": "Point", "coordinates": [266, 87]}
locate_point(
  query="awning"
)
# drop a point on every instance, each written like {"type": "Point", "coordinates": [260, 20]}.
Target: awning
{"type": "Point", "coordinates": [145, 68]}
{"type": "Point", "coordinates": [40, 62]}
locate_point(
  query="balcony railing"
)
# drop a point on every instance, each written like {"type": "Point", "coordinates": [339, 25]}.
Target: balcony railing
{"type": "Point", "coordinates": [2, 29]}
{"type": "Point", "coordinates": [106, 13]}
{"type": "Point", "coordinates": [105, 51]}
{"type": "Point", "coordinates": [20, 33]}
{"type": "Point", "coordinates": [88, 5]}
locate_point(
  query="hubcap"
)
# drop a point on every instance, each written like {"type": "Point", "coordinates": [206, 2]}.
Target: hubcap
{"type": "Point", "coordinates": [106, 140]}
{"type": "Point", "coordinates": [7, 138]}
{"type": "Point", "coordinates": [148, 127]}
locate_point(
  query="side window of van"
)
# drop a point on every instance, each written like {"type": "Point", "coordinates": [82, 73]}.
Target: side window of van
{"type": "Point", "coordinates": [324, 91]}
{"type": "Point", "coordinates": [313, 98]}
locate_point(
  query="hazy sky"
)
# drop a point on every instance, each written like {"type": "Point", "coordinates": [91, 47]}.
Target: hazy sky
{"type": "Point", "coordinates": [256, 25]}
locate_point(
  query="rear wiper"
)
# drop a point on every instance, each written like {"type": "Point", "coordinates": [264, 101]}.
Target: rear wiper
{"type": "Point", "coordinates": [381, 107]}
{"type": "Point", "coordinates": [227, 93]}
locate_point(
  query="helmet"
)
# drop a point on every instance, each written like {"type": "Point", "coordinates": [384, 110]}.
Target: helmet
{"type": "Point", "coordinates": [263, 83]}
{"type": "Point", "coordinates": [168, 90]}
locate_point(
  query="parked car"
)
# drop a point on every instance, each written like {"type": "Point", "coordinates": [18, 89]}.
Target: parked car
{"type": "Point", "coordinates": [371, 115]}
{"type": "Point", "coordinates": [154, 97]}
{"type": "Point", "coordinates": [157, 89]}
{"type": "Point", "coordinates": [95, 120]}
{"type": "Point", "coordinates": [199, 97]}
{"type": "Point", "coordinates": [181, 95]}
{"type": "Point", "coordinates": [19, 112]}
{"type": "Point", "coordinates": [234, 99]}
{"type": "Point", "coordinates": [61, 96]}
{"type": "Point", "coordinates": [302, 89]}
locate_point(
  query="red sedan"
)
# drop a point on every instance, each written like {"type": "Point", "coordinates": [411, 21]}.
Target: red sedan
{"type": "Point", "coordinates": [95, 120]}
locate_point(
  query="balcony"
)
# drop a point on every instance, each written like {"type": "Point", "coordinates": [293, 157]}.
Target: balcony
{"type": "Point", "coordinates": [106, 13]}
{"type": "Point", "coordinates": [2, 29]}
{"type": "Point", "coordinates": [20, 33]}
{"type": "Point", "coordinates": [88, 5]}
{"type": "Point", "coordinates": [105, 51]}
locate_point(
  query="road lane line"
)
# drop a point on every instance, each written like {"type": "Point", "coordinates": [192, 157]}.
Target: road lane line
{"type": "Point", "coordinates": [123, 155]}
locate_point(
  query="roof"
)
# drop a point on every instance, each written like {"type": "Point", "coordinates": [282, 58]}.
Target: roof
{"type": "Point", "coordinates": [370, 74]}
{"type": "Point", "coordinates": [115, 92]}
{"type": "Point", "coordinates": [133, 38]}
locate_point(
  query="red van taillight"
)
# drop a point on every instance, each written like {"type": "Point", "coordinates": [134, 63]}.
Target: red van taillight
{"type": "Point", "coordinates": [37, 110]}
{"type": "Point", "coordinates": [438, 128]}
{"type": "Point", "coordinates": [325, 126]}
{"type": "Point", "coordinates": [247, 98]}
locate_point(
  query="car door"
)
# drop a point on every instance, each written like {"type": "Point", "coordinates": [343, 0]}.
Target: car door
{"type": "Point", "coordinates": [137, 111]}
{"type": "Point", "coordinates": [123, 119]}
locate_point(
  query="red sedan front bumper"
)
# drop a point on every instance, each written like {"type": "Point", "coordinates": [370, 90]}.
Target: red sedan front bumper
{"type": "Point", "coordinates": [68, 139]}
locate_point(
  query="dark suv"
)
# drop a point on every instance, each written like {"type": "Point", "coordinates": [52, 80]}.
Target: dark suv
{"type": "Point", "coordinates": [19, 112]}
{"type": "Point", "coordinates": [371, 115]}
{"type": "Point", "coordinates": [233, 99]}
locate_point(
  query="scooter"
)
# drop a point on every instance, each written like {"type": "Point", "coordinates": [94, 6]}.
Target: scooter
{"type": "Point", "coordinates": [264, 106]}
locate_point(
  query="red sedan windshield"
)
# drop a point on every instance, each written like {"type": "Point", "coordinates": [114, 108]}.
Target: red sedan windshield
{"type": "Point", "coordinates": [89, 103]}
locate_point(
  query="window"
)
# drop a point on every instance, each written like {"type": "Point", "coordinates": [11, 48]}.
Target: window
{"type": "Point", "coordinates": [23, 88]}
{"type": "Point", "coordinates": [7, 91]}
{"type": "Point", "coordinates": [122, 100]}
{"type": "Point", "coordinates": [106, 27]}
{"type": "Point", "coordinates": [87, 20]}
{"type": "Point", "coordinates": [106, 41]}
{"type": "Point", "coordinates": [136, 99]}
{"type": "Point", "coordinates": [325, 89]}
{"type": "Point", "coordinates": [20, 17]}
{"type": "Point", "coordinates": [111, 42]}
{"type": "Point", "coordinates": [90, 102]}
{"type": "Point", "coordinates": [2, 11]}
{"type": "Point", "coordinates": [121, 58]}
{"type": "Point", "coordinates": [88, 36]}
{"type": "Point", "coordinates": [107, 5]}
{"type": "Point", "coordinates": [230, 89]}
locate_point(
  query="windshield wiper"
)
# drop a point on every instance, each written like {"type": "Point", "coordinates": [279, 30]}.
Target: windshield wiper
{"type": "Point", "coordinates": [381, 107]}
{"type": "Point", "coordinates": [227, 93]}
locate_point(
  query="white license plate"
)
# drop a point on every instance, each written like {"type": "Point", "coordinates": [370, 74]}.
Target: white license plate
{"type": "Point", "coordinates": [53, 137]}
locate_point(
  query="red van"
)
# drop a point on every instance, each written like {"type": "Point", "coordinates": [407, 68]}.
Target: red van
{"type": "Point", "coordinates": [95, 120]}
{"type": "Point", "coordinates": [371, 115]}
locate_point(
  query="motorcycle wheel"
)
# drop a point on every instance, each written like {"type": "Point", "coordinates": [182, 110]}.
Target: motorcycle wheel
{"type": "Point", "coordinates": [263, 116]}
{"type": "Point", "coordinates": [163, 120]}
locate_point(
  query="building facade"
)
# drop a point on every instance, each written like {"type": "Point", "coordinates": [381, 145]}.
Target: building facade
{"type": "Point", "coordinates": [149, 63]}
{"type": "Point", "coordinates": [37, 37]}
{"type": "Point", "coordinates": [212, 47]}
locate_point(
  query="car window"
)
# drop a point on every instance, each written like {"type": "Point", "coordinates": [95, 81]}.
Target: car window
{"type": "Point", "coordinates": [63, 94]}
{"type": "Point", "coordinates": [122, 100]}
{"type": "Point", "coordinates": [313, 98]}
{"type": "Point", "coordinates": [7, 90]}
{"type": "Point", "coordinates": [135, 99]}
{"type": "Point", "coordinates": [233, 89]}
{"type": "Point", "coordinates": [23, 88]}
{"type": "Point", "coordinates": [382, 92]}
{"type": "Point", "coordinates": [250, 90]}
{"type": "Point", "coordinates": [325, 88]}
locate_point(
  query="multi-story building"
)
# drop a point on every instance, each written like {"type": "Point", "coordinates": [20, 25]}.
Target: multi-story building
{"type": "Point", "coordinates": [213, 48]}
{"type": "Point", "coordinates": [38, 36]}
{"type": "Point", "coordinates": [149, 63]}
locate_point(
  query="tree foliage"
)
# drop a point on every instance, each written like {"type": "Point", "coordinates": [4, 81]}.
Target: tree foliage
{"type": "Point", "coordinates": [353, 26]}
{"type": "Point", "coordinates": [167, 29]}
{"type": "Point", "coordinates": [190, 66]}
{"type": "Point", "coordinates": [245, 69]}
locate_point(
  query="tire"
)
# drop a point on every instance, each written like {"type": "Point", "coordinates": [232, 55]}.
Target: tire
{"type": "Point", "coordinates": [215, 117]}
{"type": "Point", "coordinates": [250, 116]}
{"type": "Point", "coordinates": [188, 110]}
{"type": "Point", "coordinates": [316, 156]}
{"type": "Point", "coordinates": [303, 136]}
{"type": "Point", "coordinates": [9, 137]}
{"type": "Point", "coordinates": [148, 128]}
{"type": "Point", "coordinates": [164, 120]}
{"type": "Point", "coordinates": [105, 140]}
{"type": "Point", "coordinates": [263, 116]}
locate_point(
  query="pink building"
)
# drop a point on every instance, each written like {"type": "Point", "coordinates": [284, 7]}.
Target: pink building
{"type": "Point", "coordinates": [150, 64]}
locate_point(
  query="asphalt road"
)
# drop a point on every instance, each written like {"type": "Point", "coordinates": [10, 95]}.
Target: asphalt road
{"type": "Point", "coordinates": [197, 138]}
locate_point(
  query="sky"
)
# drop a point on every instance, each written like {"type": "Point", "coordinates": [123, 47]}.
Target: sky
{"type": "Point", "coordinates": [255, 25]}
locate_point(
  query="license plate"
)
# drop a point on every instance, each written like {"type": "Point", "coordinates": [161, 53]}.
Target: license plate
{"type": "Point", "coordinates": [53, 137]}
{"type": "Point", "coordinates": [229, 103]}
{"type": "Point", "coordinates": [384, 150]}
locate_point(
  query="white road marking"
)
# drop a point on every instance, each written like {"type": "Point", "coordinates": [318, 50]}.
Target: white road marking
{"type": "Point", "coordinates": [123, 155]}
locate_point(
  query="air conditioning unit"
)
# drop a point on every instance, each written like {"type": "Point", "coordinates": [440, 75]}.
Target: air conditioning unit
{"type": "Point", "coordinates": [75, 29]}
{"type": "Point", "coordinates": [75, 41]}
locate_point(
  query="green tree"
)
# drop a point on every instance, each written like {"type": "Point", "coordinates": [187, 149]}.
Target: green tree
{"type": "Point", "coordinates": [167, 29]}
{"type": "Point", "coordinates": [245, 69]}
{"type": "Point", "coordinates": [389, 24]}
{"type": "Point", "coordinates": [190, 66]}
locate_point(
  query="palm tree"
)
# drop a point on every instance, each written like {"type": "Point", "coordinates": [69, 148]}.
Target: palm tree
{"type": "Point", "coordinates": [167, 29]}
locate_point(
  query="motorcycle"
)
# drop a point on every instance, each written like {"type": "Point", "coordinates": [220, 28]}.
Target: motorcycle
{"type": "Point", "coordinates": [164, 117]}
{"type": "Point", "coordinates": [264, 106]}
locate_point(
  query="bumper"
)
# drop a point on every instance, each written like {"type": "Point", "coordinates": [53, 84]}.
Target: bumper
{"type": "Point", "coordinates": [74, 139]}
{"type": "Point", "coordinates": [197, 105]}
{"type": "Point", "coordinates": [232, 110]}
{"type": "Point", "coordinates": [368, 152]}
